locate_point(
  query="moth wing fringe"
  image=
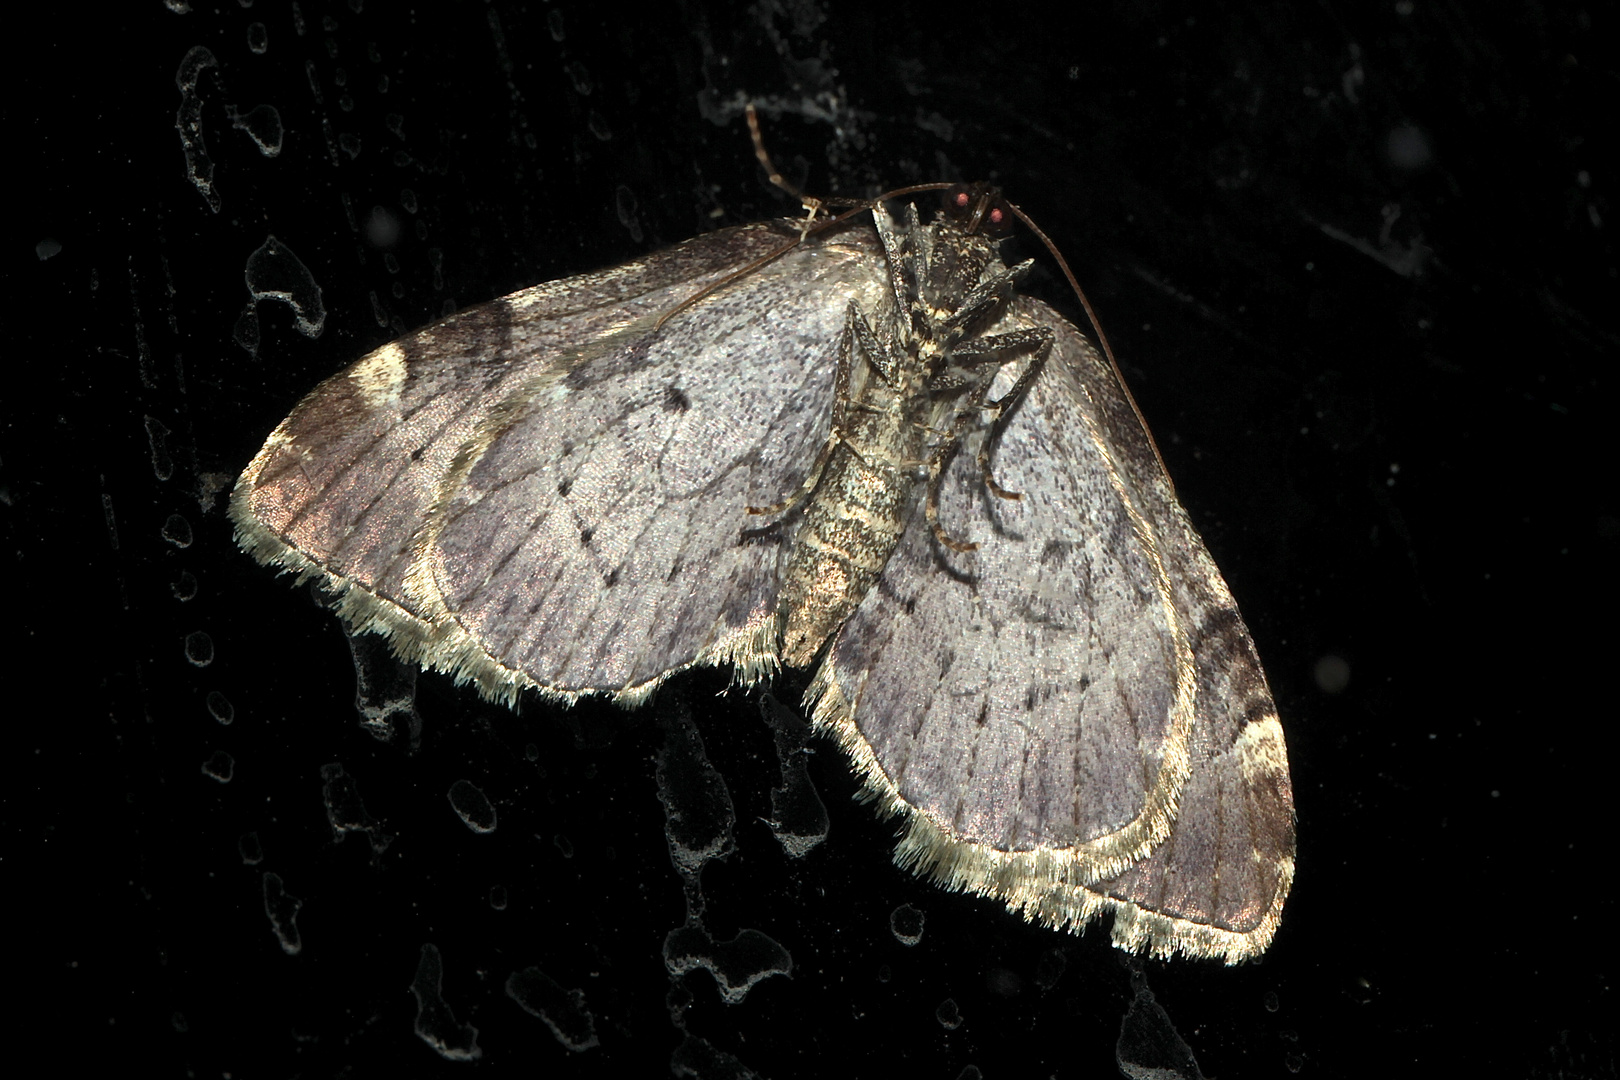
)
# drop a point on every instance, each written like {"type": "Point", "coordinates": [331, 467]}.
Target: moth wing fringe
{"type": "Point", "coordinates": [445, 646]}
{"type": "Point", "coordinates": [750, 650]}
{"type": "Point", "coordinates": [1137, 929]}
{"type": "Point", "coordinates": [1031, 884]}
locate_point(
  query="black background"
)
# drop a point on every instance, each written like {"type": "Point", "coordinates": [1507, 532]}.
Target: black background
{"type": "Point", "coordinates": [1356, 261]}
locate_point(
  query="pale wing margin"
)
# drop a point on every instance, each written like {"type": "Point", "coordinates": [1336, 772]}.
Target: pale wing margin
{"type": "Point", "coordinates": [341, 488]}
{"type": "Point", "coordinates": [1209, 663]}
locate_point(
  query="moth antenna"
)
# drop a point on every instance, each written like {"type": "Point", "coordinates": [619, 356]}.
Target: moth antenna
{"type": "Point", "coordinates": [809, 228]}
{"type": "Point", "coordinates": [931, 513]}
{"type": "Point", "coordinates": [1102, 338]}
{"type": "Point", "coordinates": [809, 201]}
{"type": "Point", "coordinates": [820, 226]}
{"type": "Point", "coordinates": [811, 225]}
{"type": "Point", "coordinates": [980, 205]}
{"type": "Point", "coordinates": [811, 204]}
{"type": "Point", "coordinates": [990, 481]}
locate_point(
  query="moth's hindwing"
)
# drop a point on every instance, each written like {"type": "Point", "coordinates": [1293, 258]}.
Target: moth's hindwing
{"type": "Point", "coordinates": [1072, 718]}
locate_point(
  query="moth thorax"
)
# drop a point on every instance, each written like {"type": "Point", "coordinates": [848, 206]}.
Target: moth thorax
{"type": "Point", "coordinates": [959, 263]}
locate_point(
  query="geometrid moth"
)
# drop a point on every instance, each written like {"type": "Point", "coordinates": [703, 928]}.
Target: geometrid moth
{"type": "Point", "coordinates": [851, 447]}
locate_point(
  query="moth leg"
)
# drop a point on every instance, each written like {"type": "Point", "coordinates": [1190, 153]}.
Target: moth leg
{"type": "Point", "coordinates": [983, 351]}
{"type": "Point", "coordinates": [902, 264]}
{"type": "Point", "coordinates": [962, 373]}
{"type": "Point", "coordinates": [1032, 338]}
{"type": "Point", "coordinates": [918, 262]}
{"type": "Point", "coordinates": [939, 463]}
{"type": "Point", "coordinates": [879, 352]}
{"type": "Point", "coordinates": [979, 353]}
{"type": "Point", "coordinates": [938, 466]}
{"type": "Point", "coordinates": [810, 481]}
{"type": "Point", "coordinates": [853, 322]}
{"type": "Point", "coordinates": [1040, 338]}
{"type": "Point", "coordinates": [980, 299]}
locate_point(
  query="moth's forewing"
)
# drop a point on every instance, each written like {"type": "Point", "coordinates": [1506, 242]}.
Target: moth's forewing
{"type": "Point", "coordinates": [549, 490]}
{"type": "Point", "coordinates": [1077, 700]}
{"type": "Point", "coordinates": [593, 536]}
{"type": "Point", "coordinates": [342, 485]}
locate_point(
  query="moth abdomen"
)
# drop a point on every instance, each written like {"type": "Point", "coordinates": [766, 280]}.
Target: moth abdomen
{"type": "Point", "coordinates": [850, 528]}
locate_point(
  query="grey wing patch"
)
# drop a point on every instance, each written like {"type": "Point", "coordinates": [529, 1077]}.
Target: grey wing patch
{"type": "Point", "coordinates": [593, 536]}
{"type": "Point", "coordinates": [343, 487]}
{"type": "Point", "coordinates": [1072, 717]}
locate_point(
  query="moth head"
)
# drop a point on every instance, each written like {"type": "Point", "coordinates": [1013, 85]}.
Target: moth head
{"type": "Point", "coordinates": [962, 245]}
{"type": "Point", "coordinates": [977, 208]}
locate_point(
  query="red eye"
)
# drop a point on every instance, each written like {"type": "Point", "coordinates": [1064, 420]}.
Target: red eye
{"type": "Point", "coordinates": [976, 207]}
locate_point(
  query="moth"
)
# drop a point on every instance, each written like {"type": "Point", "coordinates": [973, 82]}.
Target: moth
{"type": "Point", "coordinates": [850, 446]}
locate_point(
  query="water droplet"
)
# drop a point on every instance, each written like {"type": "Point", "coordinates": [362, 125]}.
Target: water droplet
{"type": "Point", "coordinates": [219, 766]}
{"type": "Point", "coordinates": [561, 1010]}
{"type": "Point", "coordinates": [1050, 968]}
{"type": "Point", "coordinates": [262, 125]}
{"type": "Point", "coordinates": [199, 648]}
{"type": "Point", "coordinates": [472, 806]}
{"type": "Point", "coordinates": [737, 964]}
{"type": "Point", "coordinates": [906, 923]}
{"type": "Point", "coordinates": [273, 272]}
{"type": "Point", "coordinates": [282, 909]}
{"type": "Point", "coordinates": [185, 587]}
{"type": "Point", "coordinates": [177, 531]}
{"type": "Point", "coordinates": [436, 1025]}
{"type": "Point", "coordinates": [220, 707]}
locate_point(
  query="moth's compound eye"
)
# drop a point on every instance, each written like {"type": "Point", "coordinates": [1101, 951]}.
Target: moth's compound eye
{"type": "Point", "coordinates": [958, 202]}
{"type": "Point", "coordinates": [997, 221]}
